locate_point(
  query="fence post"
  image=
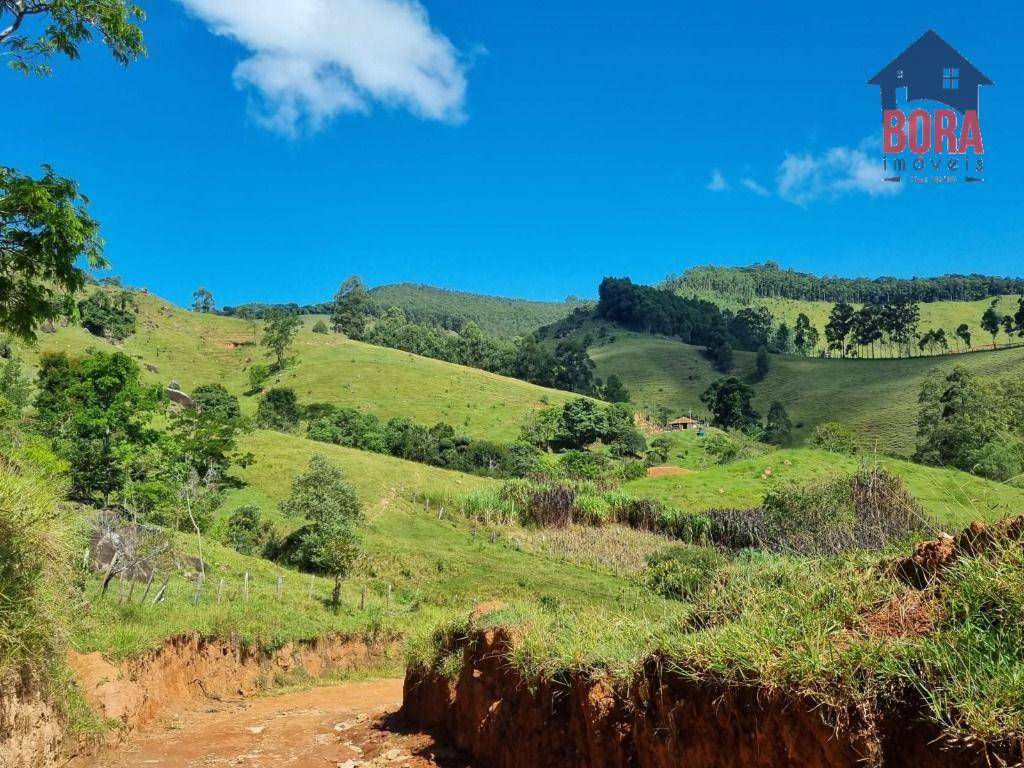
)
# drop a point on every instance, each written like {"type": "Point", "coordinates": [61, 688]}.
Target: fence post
{"type": "Point", "coordinates": [245, 586]}
{"type": "Point", "coordinates": [280, 578]}
{"type": "Point", "coordinates": [362, 599]}
{"type": "Point", "coordinates": [198, 596]}
{"type": "Point", "coordinates": [220, 591]}
{"type": "Point", "coordinates": [389, 596]}
{"type": "Point", "coordinates": [149, 583]}
{"type": "Point", "coordinates": [160, 593]}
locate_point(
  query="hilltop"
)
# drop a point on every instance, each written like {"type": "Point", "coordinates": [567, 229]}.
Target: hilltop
{"type": "Point", "coordinates": [194, 348]}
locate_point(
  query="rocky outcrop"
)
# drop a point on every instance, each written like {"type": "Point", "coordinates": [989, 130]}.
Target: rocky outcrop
{"type": "Point", "coordinates": [662, 720]}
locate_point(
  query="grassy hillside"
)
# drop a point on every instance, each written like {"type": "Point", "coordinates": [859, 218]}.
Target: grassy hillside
{"type": "Point", "coordinates": [953, 498]}
{"type": "Point", "coordinates": [495, 315]}
{"type": "Point", "coordinates": [434, 565]}
{"type": "Point", "coordinates": [876, 397]}
{"type": "Point", "coordinates": [198, 349]}
{"type": "Point", "coordinates": [947, 315]}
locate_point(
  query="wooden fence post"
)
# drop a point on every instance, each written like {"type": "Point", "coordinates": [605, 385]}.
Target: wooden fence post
{"type": "Point", "coordinates": [198, 596]}
{"type": "Point", "coordinates": [149, 583]}
{"type": "Point", "coordinates": [162, 592]}
{"type": "Point", "coordinates": [389, 596]}
{"type": "Point", "coordinates": [362, 599]}
{"type": "Point", "coordinates": [245, 586]}
{"type": "Point", "coordinates": [280, 579]}
{"type": "Point", "coordinates": [220, 591]}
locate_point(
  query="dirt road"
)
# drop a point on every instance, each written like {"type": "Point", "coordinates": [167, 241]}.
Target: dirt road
{"type": "Point", "coordinates": [344, 726]}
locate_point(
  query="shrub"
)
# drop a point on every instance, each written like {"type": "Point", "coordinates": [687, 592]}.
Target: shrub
{"type": "Point", "coordinates": [258, 374]}
{"type": "Point", "coordinates": [681, 572]}
{"type": "Point", "coordinates": [215, 400]}
{"type": "Point", "coordinates": [867, 510]}
{"type": "Point", "coordinates": [278, 409]}
{"type": "Point", "coordinates": [551, 506]}
{"type": "Point", "coordinates": [582, 465]}
{"type": "Point", "coordinates": [834, 437]}
{"type": "Point", "coordinates": [632, 470]}
{"type": "Point", "coordinates": [111, 317]}
{"type": "Point", "coordinates": [320, 327]}
{"type": "Point", "coordinates": [247, 532]}
{"type": "Point", "coordinates": [591, 510]}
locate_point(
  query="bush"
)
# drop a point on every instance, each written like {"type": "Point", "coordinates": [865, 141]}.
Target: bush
{"type": "Point", "coordinates": [320, 327]}
{"type": "Point", "coordinates": [112, 317]}
{"type": "Point", "coordinates": [632, 470]}
{"type": "Point", "coordinates": [278, 409]}
{"type": "Point", "coordinates": [591, 510]}
{"type": "Point", "coordinates": [215, 400]}
{"type": "Point", "coordinates": [867, 510]}
{"type": "Point", "coordinates": [681, 572]}
{"type": "Point", "coordinates": [582, 465]}
{"type": "Point", "coordinates": [247, 532]}
{"type": "Point", "coordinates": [258, 374]}
{"type": "Point", "coordinates": [834, 437]}
{"type": "Point", "coordinates": [551, 506]}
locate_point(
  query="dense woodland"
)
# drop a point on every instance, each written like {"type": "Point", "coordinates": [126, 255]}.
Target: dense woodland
{"type": "Point", "coordinates": [769, 280]}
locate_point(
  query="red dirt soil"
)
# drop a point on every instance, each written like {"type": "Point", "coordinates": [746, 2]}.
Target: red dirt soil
{"type": "Point", "coordinates": [662, 471]}
{"type": "Point", "coordinates": [341, 726]}
{"type": "Point", "coordinates": [663, 721]}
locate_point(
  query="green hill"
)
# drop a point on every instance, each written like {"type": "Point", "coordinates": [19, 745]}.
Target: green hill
{"type": "Point", "coordinates": [952, 497]}
{"type": "Point", "coordinates": [494, 315]}
{"type": "Point", "coordinates": [194, 349]}
{"type": "Point", "coordinates": [876, 397]}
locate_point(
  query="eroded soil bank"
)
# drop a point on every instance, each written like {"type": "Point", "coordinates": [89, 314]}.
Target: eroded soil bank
{"type": "Point", "coordinates": [504, 721]}
{"type": "Point", "coordinates": [186, 672]}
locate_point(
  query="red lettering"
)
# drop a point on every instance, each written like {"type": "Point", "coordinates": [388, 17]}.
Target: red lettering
{"type": "Point", "coordinates": [893, 137]}
{"type": "Point", "coordinates": [919, 131]}
{"type": "Point", "coordinates": [970, 134]}
{"type": "Point", "coordinates": [945, 131]}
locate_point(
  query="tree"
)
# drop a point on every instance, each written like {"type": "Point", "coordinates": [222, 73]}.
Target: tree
{"type": "Point", "coordinates": [763, 363]}
{"type": "Point", "coordinates": [991, 321]}
{"type": "Point", "coordinates": [99, 412]}
{"type": "Point", "coordinates": [351, 304]}
{"type": "Point", "coordinates": [202, 301]}
{"type": "Point", "coordinates": [215, 400]}
{"type": "Point", "coordinates": [278, 409]}
{"type": "Point", "coordinates": [582, 422]}
{"type": "Point", "coordinates": [320, 327]}
{"type": "Point", "coordinates": [834, 437]}
{"type": "Point", "coordinates": [68, 24]}
{"type": "Point", "coordinates": [279, 334]}
{"type": "Point", "coordinates": [963, 332]}
{"type": "Point", "coordinates": [15, 386]}
{"type": "Point", "coordinates": [575, 368]}
{"type": "Point", "coordinates": [108, 315]}
{"type": "Point", "coordinates": [1008, 327]}
{"type": "Point", "coordinates": [805, 335]}
{"type": "Point", "coordinates": [614, 390]}
{"type": "Point", "coordinates": [840, 322]}
{"type": "Point", "coordinates": [534, 363]}
{"type": "Point", "coordinates": [330, 542]}
{"type": "Point", "coordinates": [784, 340]}
{"type": "Point", "coordinates": [778, 429]}
{"type": "Point", "coordinates": [247, 532]}
{"type": "Point", "coordinates": [45, 228]}
{"type": "Point", "coordinates": [729, 403]}
{"type": "Point", "coordinates": [720, 353]}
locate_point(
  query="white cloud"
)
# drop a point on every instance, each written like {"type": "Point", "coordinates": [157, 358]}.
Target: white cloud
{"type": "Point", "coordinates": [755, 187]}
{"type": "Point", "coordinates": [310, 60]}
{"type": "Point", "coordinates": [718, 182]}
{"type": "Point", "coordinates": [805, 178]}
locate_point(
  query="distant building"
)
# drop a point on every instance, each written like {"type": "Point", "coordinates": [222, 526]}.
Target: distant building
{"type": "Point", "coordinates": [684, 422]}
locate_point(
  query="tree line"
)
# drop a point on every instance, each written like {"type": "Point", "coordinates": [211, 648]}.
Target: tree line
{"type": "Point", "coordinates": [769, 280]}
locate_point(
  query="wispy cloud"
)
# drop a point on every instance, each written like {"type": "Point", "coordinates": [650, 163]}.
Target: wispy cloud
{"type": "Point", "coordinates": [755, 187]}
{"type": "Point", "coordinates": [718, 182]}
{"type": "Point", "coordinates": [806, 177]}
{"type": "Point", "coordinates": [310, 60]}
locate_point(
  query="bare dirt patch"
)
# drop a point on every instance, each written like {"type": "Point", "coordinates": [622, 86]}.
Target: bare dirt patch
{"type": "Point", "coordinates": [662, 471]}
{"type": "Point", "coordinates": [352, 725]}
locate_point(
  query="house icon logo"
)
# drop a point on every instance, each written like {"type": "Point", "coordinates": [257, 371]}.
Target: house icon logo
{"type": "Point", "coordinates": [930, 107]}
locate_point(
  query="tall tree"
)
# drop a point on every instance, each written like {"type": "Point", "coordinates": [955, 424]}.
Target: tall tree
{"type": "Point", "coordinates": [963, 332]}
{"type": "Point", "coordinates": [614, 390]}
{"type": "Point", "coordinates": [991, 321]}
{"type": "Point", "coordinates": [351, 305]}
{"type": "Point", "coordinates": [778, 428]}
{"type": "Point", "coordinates": [840, 322]}
{"type": "Point", "coordinates": [805, 335]}
{"type": "Point", "coordinates": [202, 301]}
{"type": "Point", "coordinates": [729, 403]}
{"type": "Point", "coordinates": [279, 334]}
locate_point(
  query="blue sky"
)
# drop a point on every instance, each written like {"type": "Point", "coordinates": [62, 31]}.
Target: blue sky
{"type": "Point", "coordinates": [525, 148]}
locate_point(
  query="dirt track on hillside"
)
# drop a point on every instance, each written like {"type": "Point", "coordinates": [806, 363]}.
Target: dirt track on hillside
{"type": "Point", "coordinates": [343, 726]}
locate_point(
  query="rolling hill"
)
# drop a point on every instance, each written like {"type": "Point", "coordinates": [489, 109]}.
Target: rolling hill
{"type": "Point", "coordinates": [951, 497]}
{"type": "Point", "coordinates": [878, 398]}
{"type": "Point", "coordinates": [191, 348]}
{"type": "Point", "coordinates": [495, 315]}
